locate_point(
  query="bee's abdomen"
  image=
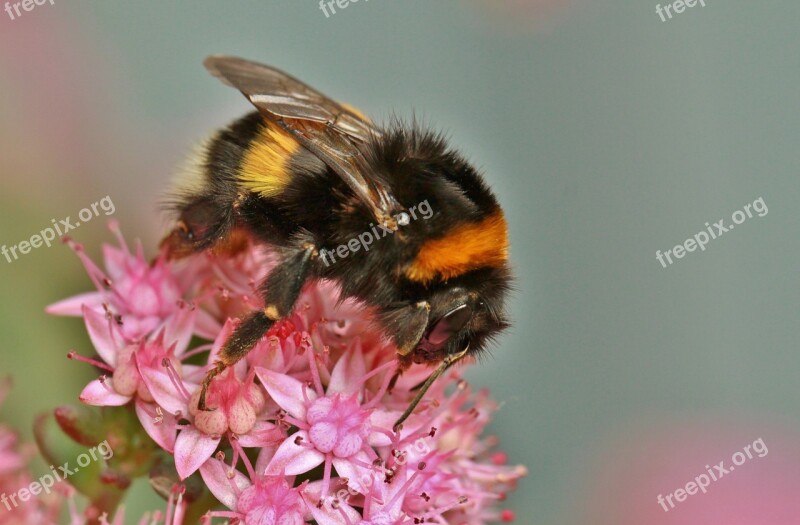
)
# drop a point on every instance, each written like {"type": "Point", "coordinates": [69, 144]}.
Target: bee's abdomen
{"type": "Point", "coordinates": [255, 175]}
{"type": "Point", "coordinates": [464, 248]}
{"type": "Point", "coordinates": [264, 168]}
{"type": "Point", "coordinates": [267, 158]}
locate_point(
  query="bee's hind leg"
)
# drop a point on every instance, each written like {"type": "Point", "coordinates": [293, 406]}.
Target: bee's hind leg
{"type": "Point", "coordinates": [280, 291]}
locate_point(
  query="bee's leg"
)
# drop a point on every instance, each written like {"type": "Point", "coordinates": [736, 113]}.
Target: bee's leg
{"type": "Point", "coordinates": [280, 290]}
{"type": "Point", "coordinates": [404, 363]}
{"type": "Point", "coordinates": [408, 323]}
{"type": "Point", "coordinates": [446, 363]}
{"type": "Point", "coordinates": [236, 347]}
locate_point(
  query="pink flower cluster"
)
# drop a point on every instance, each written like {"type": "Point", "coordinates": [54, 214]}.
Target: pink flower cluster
{"type": "Point", "coordinates": [14, 475]}
{"type": "Point", "coordinates": [302, 430]}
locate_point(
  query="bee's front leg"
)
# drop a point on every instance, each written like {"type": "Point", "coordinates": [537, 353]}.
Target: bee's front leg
{"type": "Point", "coordinates": [408, 324]}
{"type": "Point", "coordinates": [280, 291]}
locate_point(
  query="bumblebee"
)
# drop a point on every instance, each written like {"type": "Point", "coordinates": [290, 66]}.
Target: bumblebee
{"type": "Point", "coordinates": [308, 176]}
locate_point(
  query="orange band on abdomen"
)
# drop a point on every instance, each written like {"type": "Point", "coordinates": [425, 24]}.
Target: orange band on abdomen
{"type": "Point", "coordinates": [467, 247]}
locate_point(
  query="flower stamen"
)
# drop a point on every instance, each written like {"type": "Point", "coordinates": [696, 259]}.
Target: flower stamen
{"type": "Point", "coordinates": [77, 357]}
{"type": "Point", "coordinates": [175, 378]}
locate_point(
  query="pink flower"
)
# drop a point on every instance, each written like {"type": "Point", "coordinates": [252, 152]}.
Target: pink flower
{"type": "Point", "coordinates": [237, 402]}
{"type": "Point", "coordinates": [11, 460]}
{"type": "Point", "coordinates": [127, 362]}
{"type": "Point", "coordinates": [334, 423]}
{"type": "Point", "coordinates": [174, 514]}
{"type": "Point", "coordinates": [267, 500]}
{"type": "Point", "coordinates": [140, 297]}
{"type": "Point", "coordinates": [14, 475]}
{"type": "Point", "coordinates": [306, 418]}
{"type": "Point", "coordinates": [138, 370]}
{"type": "Point", "coordinates": [225, 285]}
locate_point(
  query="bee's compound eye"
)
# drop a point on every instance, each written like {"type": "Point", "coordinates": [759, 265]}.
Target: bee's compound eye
{"type": "Point", "coordinates": [403, 219]}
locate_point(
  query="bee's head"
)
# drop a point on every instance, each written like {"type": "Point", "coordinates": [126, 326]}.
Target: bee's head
{"type": "Point", "coordinates": [465, 315]}
{"type": "Point", "coordinates": [454, 249]}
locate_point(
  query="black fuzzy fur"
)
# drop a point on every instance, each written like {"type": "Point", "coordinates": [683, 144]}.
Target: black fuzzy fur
{"type": "Point", "coordinates": [317, 207]}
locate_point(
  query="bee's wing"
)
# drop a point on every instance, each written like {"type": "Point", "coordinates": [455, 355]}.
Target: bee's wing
{"type": "Point", "coordinates": [326, 128]}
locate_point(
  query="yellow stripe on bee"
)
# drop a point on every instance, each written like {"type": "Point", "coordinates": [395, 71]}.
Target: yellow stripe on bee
{"type": "Point", "coordinates": [265, 166]}
{"type": "Point", "coordinates": [465, 248]}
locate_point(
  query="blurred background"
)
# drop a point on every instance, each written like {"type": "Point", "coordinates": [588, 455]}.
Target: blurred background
{"type": "Point", "coordinates": [607, 134]}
